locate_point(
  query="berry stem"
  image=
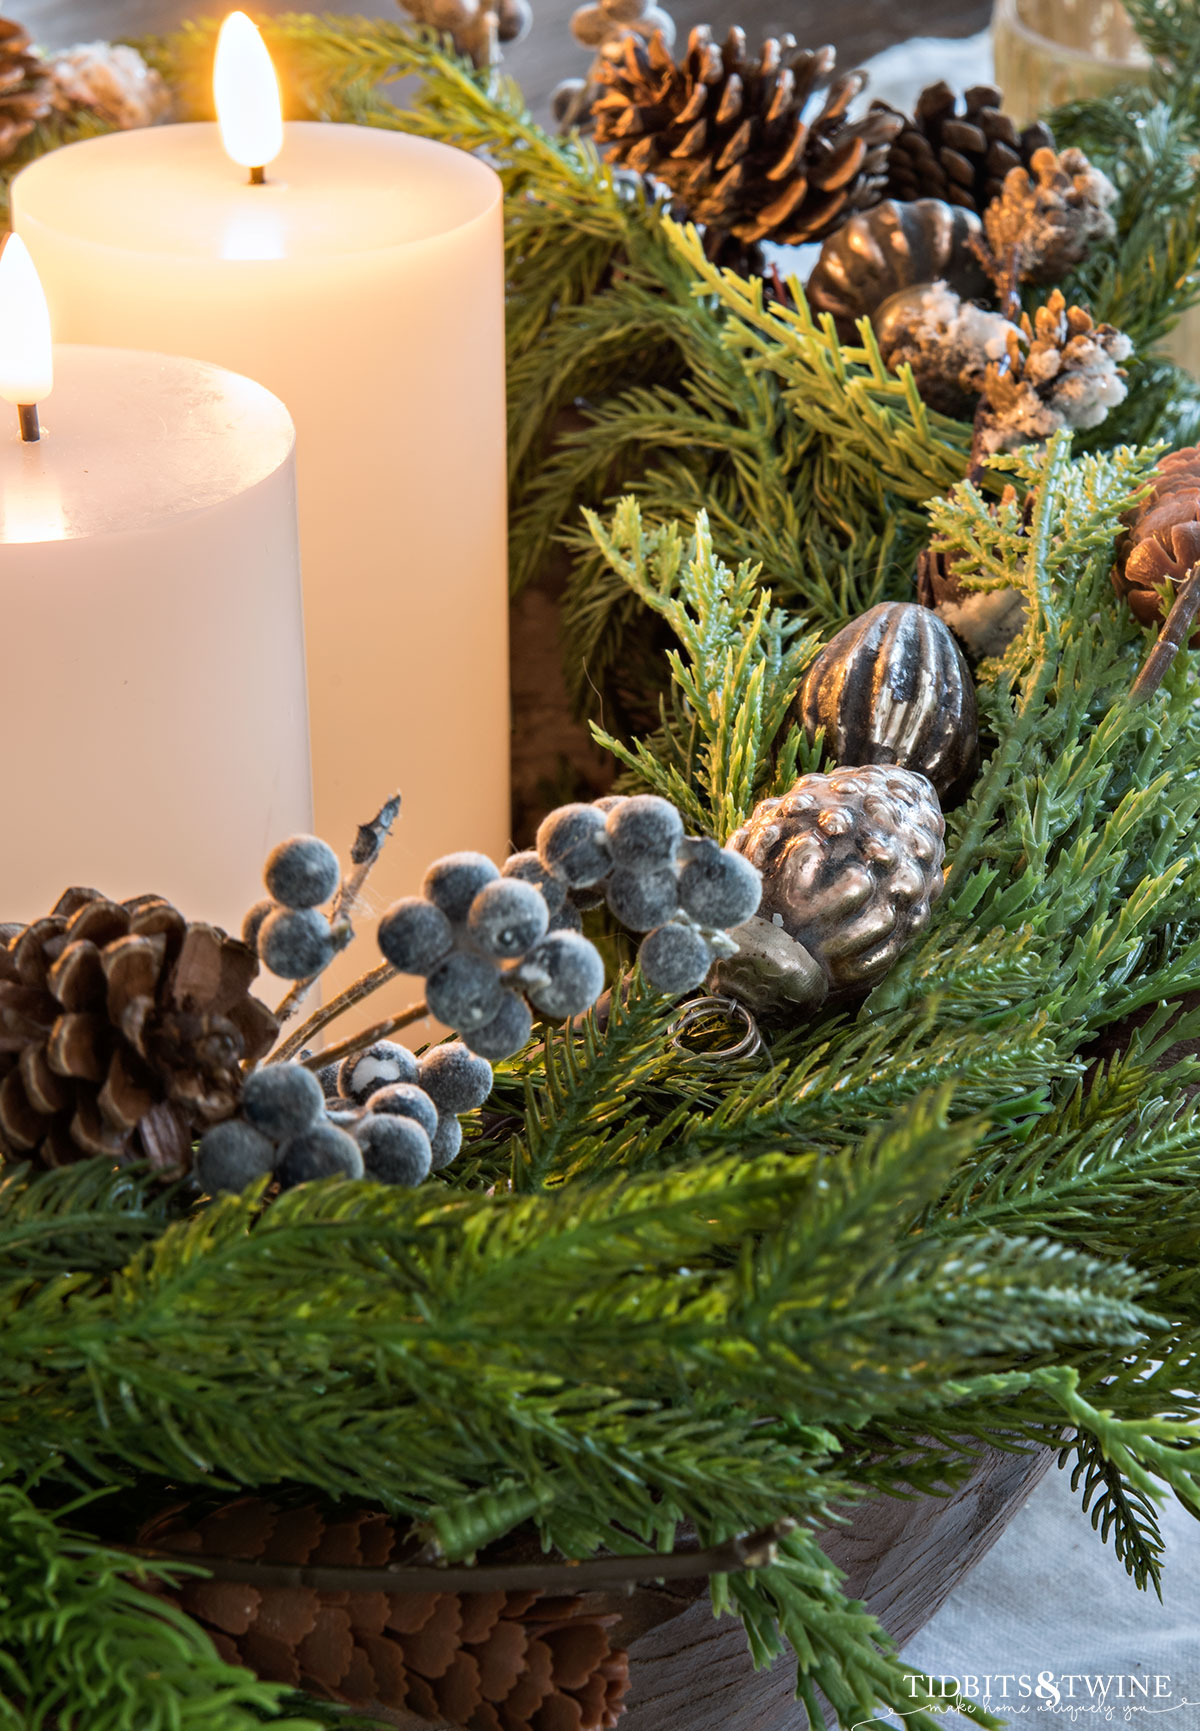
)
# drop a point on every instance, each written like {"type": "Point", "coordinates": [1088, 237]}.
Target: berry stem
{"type": "Point", "coordinates": [345, 1000]}
{"type": "Point", "coordinates": [1171, 638]}
{"type": "Point", "coordinates": [366, 1037]}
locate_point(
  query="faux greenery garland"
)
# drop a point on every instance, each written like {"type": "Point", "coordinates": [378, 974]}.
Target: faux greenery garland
{"type": "Point", "coordinates": [653, 1292]}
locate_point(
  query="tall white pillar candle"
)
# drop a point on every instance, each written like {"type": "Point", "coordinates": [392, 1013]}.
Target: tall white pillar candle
{"type": "Point", "coordinates": [152, 697]}
{"type": "Point", "coordinates": [363, 284]}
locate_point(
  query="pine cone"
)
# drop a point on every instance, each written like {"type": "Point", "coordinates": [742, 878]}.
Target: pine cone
{"type": "Point", "coordinates": [1049, 216]}
{"type": "Point", "coordinates": [25, 88]}
{"type": "Point", "coordinates": [1163, 541]}
{"type": "Point", "coordinates": [1061, 370]}
{"type": "Point", "coordinates": [962, 158]}
{"type": "Point", "coordinates": [122, 1031]}
{"type": "Point", "coordinates": [729, 137]}
{"type": "Point", "coordinates": [489, 1661]}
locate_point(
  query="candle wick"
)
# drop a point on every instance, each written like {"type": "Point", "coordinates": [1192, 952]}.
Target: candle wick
{"type": "Point", "coordinates": [258, 177]}
{"type": "Point", "coordinates": [31, 428]}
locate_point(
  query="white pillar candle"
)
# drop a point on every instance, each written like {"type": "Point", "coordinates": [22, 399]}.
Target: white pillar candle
{"type": "Point", "coordinates": [363, 284]}
{"type": "Point", "coordinates": [152, 697]}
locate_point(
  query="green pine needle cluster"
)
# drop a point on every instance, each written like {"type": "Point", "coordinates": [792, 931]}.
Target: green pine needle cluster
{"type": "Point", "coordinates": [658, 1294]}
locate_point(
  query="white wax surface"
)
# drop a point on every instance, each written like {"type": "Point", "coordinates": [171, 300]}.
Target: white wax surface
{"type": "Point", "coordinates": [153, 688]}
{"type": "Point", "coordinates": [364, 286]}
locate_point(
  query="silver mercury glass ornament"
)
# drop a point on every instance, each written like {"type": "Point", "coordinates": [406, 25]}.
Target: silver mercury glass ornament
{"type": "Point", "coordinates": [851, 865]}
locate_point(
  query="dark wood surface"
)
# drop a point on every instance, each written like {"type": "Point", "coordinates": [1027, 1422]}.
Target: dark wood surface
{"type": "Point", "coordinates": [857, 28]}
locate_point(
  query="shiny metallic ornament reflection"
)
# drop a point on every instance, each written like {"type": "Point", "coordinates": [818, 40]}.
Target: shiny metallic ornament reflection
{"type": "Point", "coordinates": [893, 687]}
{"type": "Point", "coordinates": [851, 865]}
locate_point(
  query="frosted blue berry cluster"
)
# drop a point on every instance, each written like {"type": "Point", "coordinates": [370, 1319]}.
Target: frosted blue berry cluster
{"type": "Point", "coordinates": [383, 1114]}
{"type": "Point", "coordinates": [495, 944]}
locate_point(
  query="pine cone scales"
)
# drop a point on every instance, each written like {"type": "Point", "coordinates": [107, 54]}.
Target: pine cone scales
{"type": "Point", "coordinates": [25, 87]}
{"type": "Point", "coordinates": [728, 135]}
{"type": "Point", "coordinates": [496, 1661]}
{"type": "Point", "coordinates": [122, 1031]}
{"type": "Point", "coordinates": [1163, 542]}
{"type": "Point", "coordinates": [960, 158]}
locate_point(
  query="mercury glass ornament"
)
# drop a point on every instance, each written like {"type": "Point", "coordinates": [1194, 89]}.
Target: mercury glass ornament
{"type": "Point", "coordinates": [892, 687]}
{"type": "Point", "coordinates": [851, 865]}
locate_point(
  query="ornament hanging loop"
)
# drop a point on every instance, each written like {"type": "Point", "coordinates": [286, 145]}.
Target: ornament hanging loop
{"type": "Point", "coordinates": [706, 1009]}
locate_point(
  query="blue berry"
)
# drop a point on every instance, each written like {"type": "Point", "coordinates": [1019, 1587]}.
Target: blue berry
{"type": "Point", "coordinates": [644, 898]}
{"type": "Point", "coordinates": [644, 831]}
{"type": "Point", "coordinates": [232, 1155]}
{"type": "Point", "coordinates": [453, 882]}
{"type": "Point", "coordinates": [323, 1151]}
{"type": "Point", "coordinates": [674, 959]}
{"type": "Point", "coordinates": [464, 990]}
{"type": "Point", "coordinates": [406, 1100]}
{"type": "Point", "coordinates": [282, 1099]}
{"type": "Point", "coordinates": [507, 1031]}
{"type": "Point", "coordinates": [363, 1072]}
{"type": "Point", "coordinates": [454, 1080]}
{"type": "Point", "coordinates": [302, 872]}
{"type": "Point", "coordinates": [252, 924]}
{"type": "Point", "coordinates": [572, 844]}
{"type": "Point", "coordinates": [507, 917]}
{"type": "Point", "coordinates": [394, 1150]}
{"type": "Point", "coordinates": [327, 1076]}
{"type": "Point", "coordinates": [568, 919]}
{"type": "Point", "coordinates": [446, 1143]}
{"type": "Point", "coordinates": [563, 975]}
{"type": "Point", "coordinates": [528, 868]}
{"type": "Point", "coordinates": [295, 943]}
{"type": "Point", "coordinates": [414, 935]}
{"type": "Point", "coordinates": [717, 887]}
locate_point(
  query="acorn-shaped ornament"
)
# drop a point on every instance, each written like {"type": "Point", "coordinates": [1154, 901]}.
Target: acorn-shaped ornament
{"type": "Point", "coordinates": [851, 865]}
{"type": "Point", "coordinates": [892, 687]}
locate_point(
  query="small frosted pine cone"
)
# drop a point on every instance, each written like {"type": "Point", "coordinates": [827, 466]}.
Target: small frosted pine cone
{"type": "Point", "coordinates": [25, 92]}
{"type": "Point", "coordinates": [500, 1661]}
{"type": "Point", "coordinates": [122, 1031]}
{"type": "Point", "coordinates": [1050, 216]}
{"type": "Point", "coordinates": [1162, 544]}
{"type": "Point", "coordinates": [477, 28]}
{"type": "Point", "coordinates": [960, 155]}
{"type": "Point", "coordinates": [947, 341]}
{"type": "Point", "coordinates": [754, 149]}
{"type": "Point", "coordinates": [1061, 370]}
{"type": "Point", "coordinates": [109, 79]}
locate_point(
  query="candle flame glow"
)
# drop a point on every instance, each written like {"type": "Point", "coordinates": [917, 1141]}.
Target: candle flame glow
{"type": "Point", "coordinates": [246, 92]}
{"type": "Point", "coordinates": [26, 358]}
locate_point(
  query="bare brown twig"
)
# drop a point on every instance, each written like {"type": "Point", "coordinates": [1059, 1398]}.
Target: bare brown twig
{"type": "Point", "coordinates": [750, 1551]}
{"type": "Point", "coordinates": [1174, 634]}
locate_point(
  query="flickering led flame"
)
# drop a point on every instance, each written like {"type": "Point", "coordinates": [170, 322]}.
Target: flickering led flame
{"type": "Point", "coordinates": [26, 358]}
{"type": "Point", "coordinates": [246, 92]}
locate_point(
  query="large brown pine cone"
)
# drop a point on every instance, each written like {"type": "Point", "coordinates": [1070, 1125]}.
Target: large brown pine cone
{"type": "Point", "coordinates": [1163, 541]}
{"type": "Point", "coordinates": [122, 1031]}
{"type": "Point", "coordinates": [729, 137]}
{"type": "Point", "coordinates": [516, 1661]}
{"type": "Point", "coordinates": [25, 86]}
{"type": "Point", "coordinates": [960, 157]}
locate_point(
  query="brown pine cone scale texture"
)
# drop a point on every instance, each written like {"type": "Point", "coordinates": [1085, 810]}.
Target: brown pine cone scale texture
{"type": "Point", "coordinates": [25, 87]}
{"type": "Point", "coordinates": [733, 137]}
{"type": "Point", "coordinates": [515, 1661]}
{"type": "Point", "coordinates": [123, 1029]}
{"type": "Point", "coordinates": [1163, 541]}
{"type": "Point", "coordinates": [959, 155]}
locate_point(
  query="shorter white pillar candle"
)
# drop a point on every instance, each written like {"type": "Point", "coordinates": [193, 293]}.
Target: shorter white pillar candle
{"type": "Point", "coordinates": [152, 699]}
